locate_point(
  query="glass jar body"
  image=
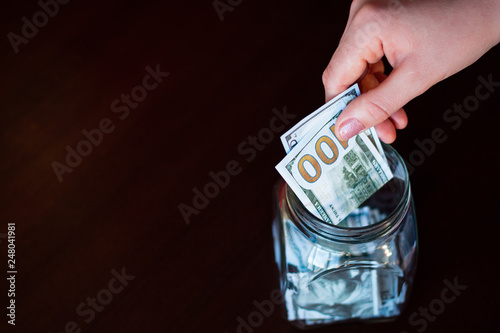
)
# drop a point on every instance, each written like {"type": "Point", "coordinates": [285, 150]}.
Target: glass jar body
{"type": "Point", "coordinates": [332, 274]}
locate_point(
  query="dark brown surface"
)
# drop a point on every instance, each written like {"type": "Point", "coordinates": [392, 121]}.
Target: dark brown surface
{"type": "Point", "coordinates": [119, 207]}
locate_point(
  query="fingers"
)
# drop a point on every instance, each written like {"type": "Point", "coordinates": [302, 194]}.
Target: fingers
{"type": "Point", "coordinates": [379, 104]}
{"type": "Point", "coordinates": [386, 131]}
{"type": "Point", "coordinates": [368, 83]}
{"type": "Point", "coordinates": [358, 57]}
{"type": "Point", "coordinates": [373, 76]}
{"type": "Point", "coordinates": [399, 119]}
{"type": "Point", "coordinates": [377, 68]}
{"type": "Point", "coordinates": [349, 62]}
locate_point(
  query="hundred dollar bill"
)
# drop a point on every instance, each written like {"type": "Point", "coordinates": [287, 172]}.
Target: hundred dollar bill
{"type": "Point", "coordinates": [330, 110]}
{"type": "Point", "coordinates": [373, 136]}
{"type": "Point", "coordinates": [332, 177]}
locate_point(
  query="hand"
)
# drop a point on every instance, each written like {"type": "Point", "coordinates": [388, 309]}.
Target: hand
{"type": "Point", "coordinates": [425, 42]}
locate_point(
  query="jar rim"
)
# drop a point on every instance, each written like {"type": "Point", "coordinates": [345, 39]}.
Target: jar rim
{"type": "Point", "coordinates": [317, 227]}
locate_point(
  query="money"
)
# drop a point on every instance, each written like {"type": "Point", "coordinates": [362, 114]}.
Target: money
{"type": "Point", "coordinates": [330, 110]}
{"type": "Point", "coordinates": [374, 139]}
{"type": "Point", "coordinates": [331, 177]}
{"type": "Point", "coordinates": [362, 217]}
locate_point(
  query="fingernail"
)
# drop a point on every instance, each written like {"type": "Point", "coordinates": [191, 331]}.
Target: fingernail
{"type": "Point", "coordinates": [350, 128]}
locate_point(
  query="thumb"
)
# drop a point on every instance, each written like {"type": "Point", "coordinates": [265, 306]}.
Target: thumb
{"type": "Point", "coordinates": [378, 104]}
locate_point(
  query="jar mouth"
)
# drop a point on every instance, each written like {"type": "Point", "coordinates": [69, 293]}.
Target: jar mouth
{"type": "Point", "coordinates": [315, 226]}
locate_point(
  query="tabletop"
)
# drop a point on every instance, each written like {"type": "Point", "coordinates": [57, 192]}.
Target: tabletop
{"type": "Point", "coordinates": [115, 114]}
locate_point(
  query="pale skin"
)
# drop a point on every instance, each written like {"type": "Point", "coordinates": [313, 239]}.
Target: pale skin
{"type": "Point", "coordinates": [425, 41]}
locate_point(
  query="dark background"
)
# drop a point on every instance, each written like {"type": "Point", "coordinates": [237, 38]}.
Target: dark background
{"type": "Point", "coordinates": [119, 207]}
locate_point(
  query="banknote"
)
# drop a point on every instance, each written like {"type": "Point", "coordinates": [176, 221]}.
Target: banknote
{"type": "Point", "coordinates": [330, 110]}
{"type": "Point", "coordinates": [373, 136]}
{"type": "Point", "coordinates": [332, 177]}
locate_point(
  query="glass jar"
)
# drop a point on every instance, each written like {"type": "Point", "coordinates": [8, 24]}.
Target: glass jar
{"type": "Point", "coordinates": [360, 269]}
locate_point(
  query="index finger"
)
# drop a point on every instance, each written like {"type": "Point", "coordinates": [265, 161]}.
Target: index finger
{"type": "Point", "coordinates": [354, 53]}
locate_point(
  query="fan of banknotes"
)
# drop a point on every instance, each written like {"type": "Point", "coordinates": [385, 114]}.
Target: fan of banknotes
{"type": "Point", "coordinates": [329, 176]}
